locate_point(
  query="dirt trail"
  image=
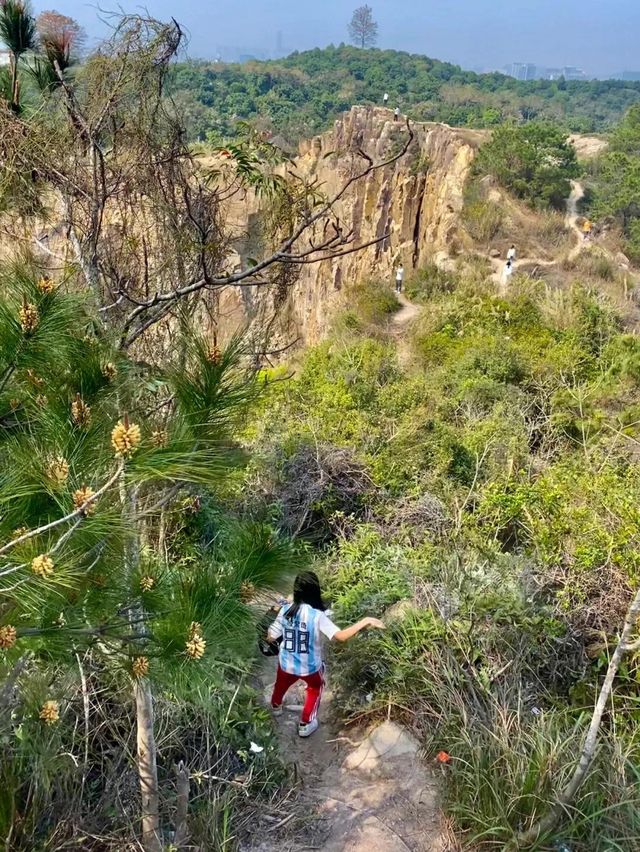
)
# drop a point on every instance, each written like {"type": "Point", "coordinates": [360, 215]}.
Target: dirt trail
{"type": "Point", "coordinates": [361, 790]}
{"type": "Point", "coordinates": [571, 223]}
{"type": "Point", "coordinates": [400, 322]}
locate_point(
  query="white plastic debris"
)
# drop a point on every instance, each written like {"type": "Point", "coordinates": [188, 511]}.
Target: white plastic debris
{"type": "Point", "coordinates": [255, 748]}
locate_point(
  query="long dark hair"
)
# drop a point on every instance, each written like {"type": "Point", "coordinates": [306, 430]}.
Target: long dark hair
{"type": "Point", "coordinates": [306, 590]}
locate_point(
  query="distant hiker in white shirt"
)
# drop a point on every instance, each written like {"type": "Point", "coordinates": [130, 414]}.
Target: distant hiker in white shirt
{"type": "Point", "coordinates": [511, 254]}
{"type": "Point", "coordinates": [385, 99]}
{"type": "Point", "coordinates": [507, 271]}
{"type": "Point", "coordinates": [399, 278]}
{"type": "Point", "coordinates": [396, 113]}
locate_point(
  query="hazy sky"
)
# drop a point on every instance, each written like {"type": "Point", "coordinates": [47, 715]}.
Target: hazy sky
{"type": "Point", "coordinates": [597, 35]}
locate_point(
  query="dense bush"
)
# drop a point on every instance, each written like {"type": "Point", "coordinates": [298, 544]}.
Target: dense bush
{"type": "Point", "coordinates": [500, 544]}
{"type": "Point", "coordinates": [534, 161]}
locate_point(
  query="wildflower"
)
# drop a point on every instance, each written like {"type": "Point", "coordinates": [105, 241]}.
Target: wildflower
{"type": "Point", "coordinates": [8, 637]}
{"type": "Point", "coordinates": [81, 496]}
{"type": "Point", "coordinates": [147, 583]}
{"type": "Point", "coordinates": [125, 437]}
{"type": "Point", "coordinates": [50, 712]}
{"type": "Point", "coordinates": [109, 371]}
{"type": "Point", "coordinates": [42, 565]}
{"type": "Point", "coordinates": [46, 285]}
{"type": "Point", "coordinates": [57, 470]}
{"type": "Point", "coordinates": [140, 667]}
{"type": "Point", "coordinates": [255, 748]}
{"type": "Point", "coordinates": [442, 757]}
{"type": "Point", "coordinates": [159, 438]}
{"type": "Point", "coordinates": [29, 317]}
{"type": "Point", "coordinates": [80, 412]}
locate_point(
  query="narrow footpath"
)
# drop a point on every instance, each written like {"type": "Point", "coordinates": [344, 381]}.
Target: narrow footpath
{"type": "Point", "coordinates": [365, 790]}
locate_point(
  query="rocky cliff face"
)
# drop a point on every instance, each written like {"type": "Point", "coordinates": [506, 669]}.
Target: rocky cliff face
{"type": "Point", "coordinates": [416, 200]}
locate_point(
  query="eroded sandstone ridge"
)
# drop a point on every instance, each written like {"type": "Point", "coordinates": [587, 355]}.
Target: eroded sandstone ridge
{"type": "Point", "coordinates": [416, 201]}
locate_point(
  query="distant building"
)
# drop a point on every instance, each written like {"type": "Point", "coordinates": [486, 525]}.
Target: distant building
{"type": "Point", "coordinates": [522, 70]}
{"type": "Point", "coordinates": [571, 73]}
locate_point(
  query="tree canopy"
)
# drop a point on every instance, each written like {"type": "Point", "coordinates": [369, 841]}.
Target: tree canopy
{"type": "Point", "coordinates": [534, 161]}
{"type": "Point", "coordinates": [304, 93]}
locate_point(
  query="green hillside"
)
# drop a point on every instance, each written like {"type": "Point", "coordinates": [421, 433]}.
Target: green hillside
{"type": "Point", "coordinates": [302, 94]}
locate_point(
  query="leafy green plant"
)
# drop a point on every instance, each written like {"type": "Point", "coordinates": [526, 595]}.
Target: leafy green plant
{"type": "Point", "coordinates": [533, 160]}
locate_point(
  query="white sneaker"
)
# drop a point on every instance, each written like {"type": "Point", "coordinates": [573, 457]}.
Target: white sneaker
{"type": "Point", "coordinates": [308, 729]}
{"type": "Point", "coordinates": [277, 711]}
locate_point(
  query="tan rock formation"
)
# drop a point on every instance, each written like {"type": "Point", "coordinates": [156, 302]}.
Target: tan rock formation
{"type": "Point", "coordinates": [416, 200]}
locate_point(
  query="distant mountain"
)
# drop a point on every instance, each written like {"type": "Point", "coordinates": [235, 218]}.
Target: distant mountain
{"type": "Point", "coordinates": [304, 93]}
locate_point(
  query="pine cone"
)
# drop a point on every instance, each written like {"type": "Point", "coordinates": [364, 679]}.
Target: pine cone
{"type": "Point", "coordinates": [8, 637]}
{"type": "Point", "coordinates": [46, 285]}
{"type": "Point", "coordinates": [17, 533]}
{"type": "Point", "coordinates": [34, 379]}
{"type": "Point", "coordinates": [41, 400]}
{"type": "Point", "coordinates": [81, 496]}
{"type": "Point", "coordinates": [214, 355]}
{"type": "Point", "coordinates": [125, 437]}
{"type": "Point", "coordinates": [29, 317]}
{"type": "Point", "coordinates": [42, 565]}
{"type": "Point", "coordinates": [147, 583]}
{"type": "Point", "coordinates": [196, 647]}
{"type": "Point", "coordinates": [57, 471]}
{"type": "Point", "coordinates": [247, 591]}
{"type": "Point", "coordinates": [81, 412]}
{"type": "Point", "coordinates": [50, 712]}
{"type": "Point", "coordinates": [159, 438]}
{"type": "Point", "coordinates": [109, 371]}
{"type": "Point", "coordinates": [195, 629]}
{"type": "Point", "coordinates": [140, 667]}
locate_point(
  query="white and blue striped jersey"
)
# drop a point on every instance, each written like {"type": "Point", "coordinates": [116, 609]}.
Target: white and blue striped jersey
{"type": "Point", "coordinates": [301, 646]}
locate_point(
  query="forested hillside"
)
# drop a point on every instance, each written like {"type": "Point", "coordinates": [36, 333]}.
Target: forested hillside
{"type": "Point", "coordinates": [302, 94]}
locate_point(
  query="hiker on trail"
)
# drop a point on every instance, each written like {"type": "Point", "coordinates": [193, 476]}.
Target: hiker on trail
{"type": "Point", "coordinates": [511, 254]}
{"type": "Point", "coordinates": [396, 114]}
{"type": "Point", "coordinates": [385, 99]}
{"type": "Point", "coordinates": [507, 272]}
{"type": "Point", "coordinates": [399, 278]}
{"type": "Point", "coordinates": [586, 229]}
{"type": "Point", "coordinates": [301, 626]}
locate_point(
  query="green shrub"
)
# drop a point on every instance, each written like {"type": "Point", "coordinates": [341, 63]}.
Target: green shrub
{"type": "Point", "coordinates": [483, 220]}
{"type": "Point", "coordinates": [372, 301]}
{"type": "Point", "coordinates": [532, 160]}
{"type": "Point", "coordinates": [429, 281]}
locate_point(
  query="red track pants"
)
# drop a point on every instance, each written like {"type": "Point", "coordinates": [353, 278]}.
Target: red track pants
{"type": "Point", "coordinates": [315, 685]}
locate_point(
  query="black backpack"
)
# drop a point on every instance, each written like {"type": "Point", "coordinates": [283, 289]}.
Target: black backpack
{"type": "Point", "coordinates": [266, 647]}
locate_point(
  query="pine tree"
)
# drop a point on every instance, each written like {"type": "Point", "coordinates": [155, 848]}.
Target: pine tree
{"type": "Point", "coordinates": [94, 450]}
{"type": "Point", "coordinates": [363, 29]}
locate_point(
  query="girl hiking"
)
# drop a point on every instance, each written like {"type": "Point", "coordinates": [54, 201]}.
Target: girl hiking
{"type": "Point", "coordinates": [301, 626]}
